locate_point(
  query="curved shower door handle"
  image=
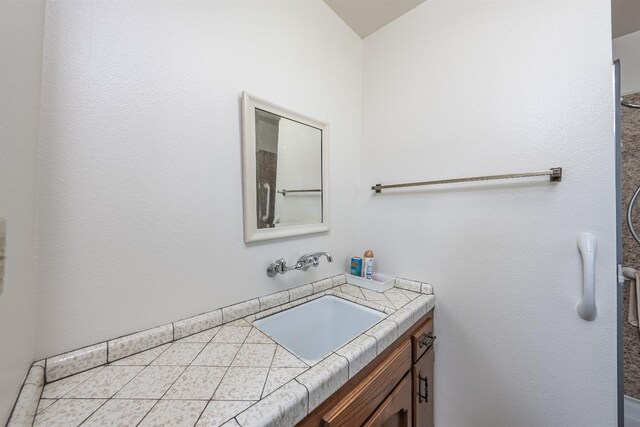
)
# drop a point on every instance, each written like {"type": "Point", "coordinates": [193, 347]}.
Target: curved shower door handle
{"type": "Point", "coordinates": [268, 188]}
{"type": "Point", "coordinates": [587, 244]}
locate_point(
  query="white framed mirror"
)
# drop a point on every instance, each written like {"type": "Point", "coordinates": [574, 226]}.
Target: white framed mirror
{"type": "Point", "coordinates": [285, 172]}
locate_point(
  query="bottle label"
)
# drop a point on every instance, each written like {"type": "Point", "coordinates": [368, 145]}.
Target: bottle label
{"type": "Point", "coordinates": [368, 268]}
{"type": "Point", "coordinates": [356, 266]}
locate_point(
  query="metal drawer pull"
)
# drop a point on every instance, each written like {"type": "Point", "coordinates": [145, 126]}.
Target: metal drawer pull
{"type": "Point", "coordinates": [426, 340]}
{"type": "Point", "coordinates": [422, 379]}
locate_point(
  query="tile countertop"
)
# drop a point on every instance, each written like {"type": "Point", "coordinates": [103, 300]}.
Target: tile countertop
{"type": "Point", "coordinates": [229, 375]}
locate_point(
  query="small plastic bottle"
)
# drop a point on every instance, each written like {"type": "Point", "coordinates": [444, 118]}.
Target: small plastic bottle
{"type": "Point", "coordinates": [368, 264]}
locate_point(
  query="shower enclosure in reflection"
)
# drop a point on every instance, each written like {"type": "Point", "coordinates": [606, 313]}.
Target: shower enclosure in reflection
{"type": "Point", "coordinates": [630, 174]}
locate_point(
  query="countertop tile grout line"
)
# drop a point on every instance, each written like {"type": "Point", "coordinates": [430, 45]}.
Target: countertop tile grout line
{"type": "Point", "coordinates": [214, 392]}
{"type": "Point", "coordinates": [339, 355]}
{"type": "Point", "coordinates": [296, 357]}
{"type": "Point", "coordinates": [148, 364]}
{"type": "Point", "coordinates": [397, 326]}
{"type": "Point", "coordinates": [308, 394]}
{"type": "Point", "coordinates": [377, 343]}
{"type": "Point", "coordinates": [143, 369]}
{"type": "Point", "coordinates": [169, 345]}
{"type": "Point", "coordinates": [273, 356]}
{"type": "Point", "coordinates": [178, 364]}
{"type": "Point", "coordinates": [348, 362]}
{"type": "Point", "coordinates": [165, 392]}
{"type": "Point", "coordinates": [91, 414]}
{"type": "Point", "coordinates": [77, 385]}
{"type": "Point", "coordinates": [86, 398]}
{"type": "Point", "coordinates": [155, 398]}
{"type": "Point", "coordinates": [38, 412]}
{"type": "Point", "coordinates": [225, 372]}
{"type": "Point", "coordinates": [181, 373]}
{"type": "Point", "coordinates": [206, 343]}
{"type": "Point", "coordinates": [38, 402]}
{"type": "Point", "coordinates": [131, 355]}
{"type": "Point", "coordinates": [102, 365]}
{"type": "Point", "coordinates": [127, 383]}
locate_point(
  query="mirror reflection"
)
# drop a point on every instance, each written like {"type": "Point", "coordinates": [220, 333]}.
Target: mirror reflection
{"type": "Point", "coordinates": [288, 171]}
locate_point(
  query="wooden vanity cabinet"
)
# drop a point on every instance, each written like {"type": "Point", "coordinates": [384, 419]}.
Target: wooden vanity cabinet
{"type": "Point", "coordinates": [385, 392]}
{"type": "Point", "coordinates": [422, 374]}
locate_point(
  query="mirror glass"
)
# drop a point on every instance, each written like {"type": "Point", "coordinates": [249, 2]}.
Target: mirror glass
{"type": "Point", "coordinates": [288, 171]}
{"type": "Point", "coordinates": [285, 164]}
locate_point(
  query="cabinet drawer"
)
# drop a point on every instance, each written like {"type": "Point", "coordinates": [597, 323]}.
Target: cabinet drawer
{"type": "Point", "coordinates": [422, 339]}
{"type": "Point", "coordinates": [422, 373]}
{"type": "Point", "coordinates": [395, 411]}
{"type": "Point", "coordinates": [359, 404]}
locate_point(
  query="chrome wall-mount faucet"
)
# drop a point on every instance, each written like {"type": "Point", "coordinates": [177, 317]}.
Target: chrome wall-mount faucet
{"type": "Point", "coordinates": [303, 263]}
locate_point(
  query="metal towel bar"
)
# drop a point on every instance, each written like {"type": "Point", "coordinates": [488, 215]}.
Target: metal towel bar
{"type": "Point", "coordinates": [555, 175]}
{"type": "Point", "coordinates": [284, 192]}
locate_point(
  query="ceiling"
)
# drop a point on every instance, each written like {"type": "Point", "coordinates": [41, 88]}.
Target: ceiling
{"type": "Point", "coordinates": [625, 17]}
{"type": "Point", "coordinates": [368, 16]}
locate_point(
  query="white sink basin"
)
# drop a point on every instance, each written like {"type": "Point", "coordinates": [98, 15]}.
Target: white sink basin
{"type": "Point", "coordinates": [314, 329]}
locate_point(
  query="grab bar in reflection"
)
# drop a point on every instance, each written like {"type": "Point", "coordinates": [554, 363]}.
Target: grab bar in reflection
{"type": "Point", "coordinates": [629, 273]}
{"type": "Point", "coordinates": [629, 104]}
{"type": "Point", "coordinates": [284, 192]}
{"type": "Point", "coordinates": [268, 188]}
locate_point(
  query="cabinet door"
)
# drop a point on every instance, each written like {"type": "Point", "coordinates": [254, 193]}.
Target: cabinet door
{"type": "Point", "coordinates": [395, 410]}
{"type": "Point", "coordinates": [361, 401]}
{"type": "Point", "coordinates": [423, 391]}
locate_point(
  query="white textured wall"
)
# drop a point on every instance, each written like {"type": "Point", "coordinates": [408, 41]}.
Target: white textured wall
{"type": "Point", "coordinates": [456, 89]}
{"type": "Point", "coordinates": [21, 26]}
{"type": "Point", "coordinates": [140, 212]}
{"type": "Point", "coordinates": [627, 49]}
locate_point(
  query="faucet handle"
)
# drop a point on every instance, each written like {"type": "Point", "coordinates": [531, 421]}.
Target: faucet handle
{"type": "Point", "coordinates": [305, 261]}
{"type": "Point", "coordinates": [279, 266]}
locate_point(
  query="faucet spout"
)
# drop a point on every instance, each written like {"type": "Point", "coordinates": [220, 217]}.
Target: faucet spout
{"type": "Point", "coordinates": [325, 254]}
